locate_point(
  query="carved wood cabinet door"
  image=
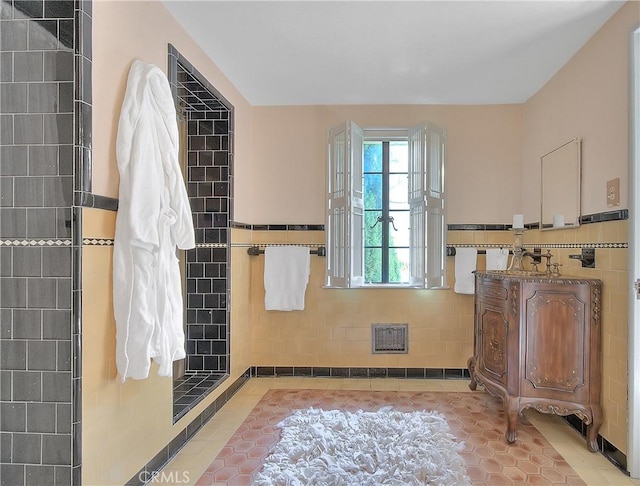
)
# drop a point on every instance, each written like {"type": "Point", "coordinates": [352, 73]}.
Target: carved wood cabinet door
{"type": "Point", "coordinates": [492, 334]}
{"type": "Point", "coordinates": [556, 337]}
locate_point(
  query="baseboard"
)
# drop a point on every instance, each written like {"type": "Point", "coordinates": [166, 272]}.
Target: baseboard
{"type": "Point", "coordinates": [151, 470]}
{"type": "Point", "coordinates": [360, 372]}
{"type": "Point", "coordinates": [606, 448]}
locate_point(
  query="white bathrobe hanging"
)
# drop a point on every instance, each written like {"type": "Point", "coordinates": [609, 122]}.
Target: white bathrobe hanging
{"type": "Point", "coordinates": [154, 217]}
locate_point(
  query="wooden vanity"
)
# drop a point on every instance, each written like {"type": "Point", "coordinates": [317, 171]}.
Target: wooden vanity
{"type": "Point", "coordinates": [537, 344]}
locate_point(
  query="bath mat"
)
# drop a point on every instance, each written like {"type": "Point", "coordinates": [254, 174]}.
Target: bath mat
{"type": "Point", "coordinates": [475, 418]}
{"type": "Point", "coordinates": [335, 447]}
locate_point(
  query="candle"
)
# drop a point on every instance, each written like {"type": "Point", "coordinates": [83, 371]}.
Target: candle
{"type": "Point", "coordinates": [558, 221]}
{"type": "Point", "coordinates": [518, 221]}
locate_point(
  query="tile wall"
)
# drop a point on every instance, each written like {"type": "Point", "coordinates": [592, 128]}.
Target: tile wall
{"type": "Point", "coordinates": [207, 320]}
{"type": "Point", "coordinates": [209, 134]}
{"type": "Point", "coordinates": [45, 104]}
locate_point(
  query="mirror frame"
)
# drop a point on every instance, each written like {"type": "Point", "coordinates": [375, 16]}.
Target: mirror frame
{"type": "Point", "coordinates": [561, 175]}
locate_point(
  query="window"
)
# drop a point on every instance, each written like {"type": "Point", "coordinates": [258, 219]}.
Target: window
{"type": "Point", "coordinates": [385, 207]}
{"type": "Point", "coordinates": [386, 210]}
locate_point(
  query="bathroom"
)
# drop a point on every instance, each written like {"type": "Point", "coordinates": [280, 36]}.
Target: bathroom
{"type": "Point", "coordinates": [112, 430]}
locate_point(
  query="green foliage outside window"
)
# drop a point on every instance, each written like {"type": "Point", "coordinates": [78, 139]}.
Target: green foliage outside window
{"type": "Point", "coordinates": [373, 232]}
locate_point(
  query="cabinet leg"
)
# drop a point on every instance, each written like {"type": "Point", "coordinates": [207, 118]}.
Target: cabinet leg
{"type": "Point", "coordinates": [593, 427]}
{"type": "Point", "coordinates": [471, 365]}
{"type": "Point", "coordinates": [512, 419]}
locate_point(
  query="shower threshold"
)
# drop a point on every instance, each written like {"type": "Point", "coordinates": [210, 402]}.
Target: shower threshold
{"type": "Point", "coordinates": [190, 389]}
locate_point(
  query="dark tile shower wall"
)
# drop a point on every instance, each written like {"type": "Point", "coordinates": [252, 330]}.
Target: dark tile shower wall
{"type": "Point", "coordinates": [209, 177]}
{"type": "Point", "coordinates": [207, 342]}
{"type": "Point", "coordinates": [45, 102]}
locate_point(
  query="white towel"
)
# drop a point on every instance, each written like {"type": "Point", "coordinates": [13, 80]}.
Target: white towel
{"type": "Point", "coordinates": [286, 274]}
{"type": "Point", "coordinates": [465, 266]}
{"type": "Point", "coordinates": [497, 258]}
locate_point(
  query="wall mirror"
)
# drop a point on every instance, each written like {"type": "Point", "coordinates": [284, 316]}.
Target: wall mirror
{"type": "Point", "coordinates": [561, 176]}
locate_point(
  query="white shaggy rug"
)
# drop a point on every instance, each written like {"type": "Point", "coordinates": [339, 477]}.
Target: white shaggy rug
{"type": "Point", "coordinates": [334, 447]}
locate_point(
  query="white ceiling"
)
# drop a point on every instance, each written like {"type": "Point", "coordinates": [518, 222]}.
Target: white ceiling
{"type": "Point", "coordinates": [390, 52]}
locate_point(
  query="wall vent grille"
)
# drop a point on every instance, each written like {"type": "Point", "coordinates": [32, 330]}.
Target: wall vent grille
{"type": "Point", "coordinates": [389, 338]}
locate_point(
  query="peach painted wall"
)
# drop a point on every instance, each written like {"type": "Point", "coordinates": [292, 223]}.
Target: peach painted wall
{"type": "Point", "coordinates": [588, 98]}
{"type": "Point", "coordinates": [126, 425]}
{"type": "Point", "coordinates": [127, 30]}
{"type": "Point", "coordinates": [483, 171]}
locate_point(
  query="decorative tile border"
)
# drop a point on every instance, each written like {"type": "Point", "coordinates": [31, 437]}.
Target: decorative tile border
{"type": "Point", "coordinates": [578, 245]}
{"type": "Point", "coordinates": [44, 243]}
{"type": "Point", "coordinates": [109, 242]}
{"type": "Point", "coordinates": [214, 245]}
{"type": "Point", "coordinates": [543, 245]}
{"type": "Point", "coordinates": [97, 242]}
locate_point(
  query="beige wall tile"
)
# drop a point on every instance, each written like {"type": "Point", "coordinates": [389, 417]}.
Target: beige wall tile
{"type": "Point", "coordinates": [619, 259]}
{"type": "Point", "coordinates": [97, 223]}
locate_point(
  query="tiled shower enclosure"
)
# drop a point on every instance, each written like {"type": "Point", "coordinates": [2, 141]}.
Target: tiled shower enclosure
{"type": "Point", "coordinates": [45, 105]}
{"type": "Point", "coordinates": [45, 181]}
{"type": "Point", "coordinates": [206, 126]}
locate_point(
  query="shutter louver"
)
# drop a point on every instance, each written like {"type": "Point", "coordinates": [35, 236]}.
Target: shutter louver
{"type": "Point", "coordinates": [427, 206]}
{"type": "Point", "coordinates": [345, 207]}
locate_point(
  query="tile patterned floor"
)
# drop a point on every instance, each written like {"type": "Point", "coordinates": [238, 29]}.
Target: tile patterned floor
{"type": "Point", "coordinates": [548, 451]}
{"type": "Point", "coordinates": [476, 418]}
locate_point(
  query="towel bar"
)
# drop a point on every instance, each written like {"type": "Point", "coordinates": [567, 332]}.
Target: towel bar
{"type": "Point", "coordinates": [254, 250]}
{"type": "Point", "coordinates": [451, 251]}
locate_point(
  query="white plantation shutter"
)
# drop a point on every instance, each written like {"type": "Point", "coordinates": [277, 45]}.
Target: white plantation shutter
{"type": "Point", "coordinates": [426, 204]}
{"type": "Point", "coordinates": [345, 207]}
{"type": "Point", "coordinates": [417, 204]}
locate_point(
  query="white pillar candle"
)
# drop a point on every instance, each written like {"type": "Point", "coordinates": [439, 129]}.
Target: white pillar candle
{"type": "Point", "coordinates": [518, 221]}
{"type": "Point", "coordinates": [558, 221]}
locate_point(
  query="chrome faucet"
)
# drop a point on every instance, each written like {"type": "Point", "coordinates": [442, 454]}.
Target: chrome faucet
{"type": "Point", "coordinates": [553, 269]}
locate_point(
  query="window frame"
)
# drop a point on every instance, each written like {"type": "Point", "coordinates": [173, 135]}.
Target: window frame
{"type": "Point", "coordinates": [345, 208]}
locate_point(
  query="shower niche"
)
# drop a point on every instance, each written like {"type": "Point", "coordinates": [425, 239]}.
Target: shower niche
{"type": "Point", "coordinates": [205, 122]}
